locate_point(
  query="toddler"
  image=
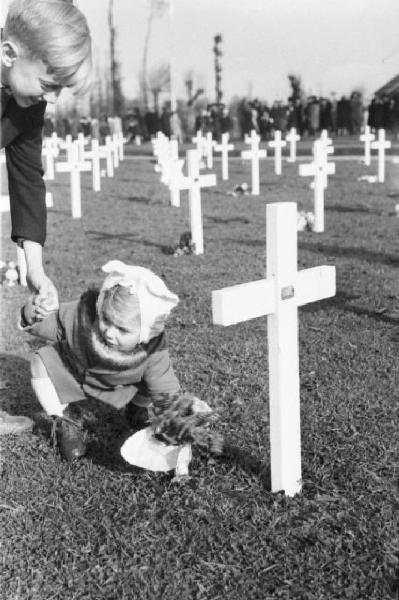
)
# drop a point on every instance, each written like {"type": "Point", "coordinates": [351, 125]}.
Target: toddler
{"type": "Point", "coordinates": [108, 345]}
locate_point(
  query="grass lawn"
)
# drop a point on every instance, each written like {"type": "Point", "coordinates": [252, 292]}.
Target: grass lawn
{"type": "Point", "coordinates": [99, 529]}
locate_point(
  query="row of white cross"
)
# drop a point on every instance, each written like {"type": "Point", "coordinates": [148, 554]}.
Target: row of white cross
{"type": "Point", "coordinates": [170, 167]}
{"type": "Point", "coordinates": [78, 159]}
{"type": "Point", "coordinates": [278, 297]}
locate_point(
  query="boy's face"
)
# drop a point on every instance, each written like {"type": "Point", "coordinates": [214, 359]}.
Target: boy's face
{"type": "Point", "coordinates": [118, 332]}
{"type": "Point", "coordinates": [27, 79]}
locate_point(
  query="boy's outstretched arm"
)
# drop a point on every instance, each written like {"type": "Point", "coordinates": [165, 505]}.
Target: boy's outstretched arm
{"type": "Point", "coordinates": [46, 296]}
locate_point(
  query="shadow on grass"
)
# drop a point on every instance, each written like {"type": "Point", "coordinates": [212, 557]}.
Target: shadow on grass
{"type": "Point", "coordinates": [221, 220]}
{"type": "Point", "coordinates": [354, 209]}
{"type": "Point", "coordinates": [248, 462]}
{"type": "Point", "coordinates": [102, 236]}
{"type": "Point", "coordinates": [138, 199]}
{"type": "Point", "coordinates": [340, 301]}
{"type": "Point", "coordinates": [16, 395]}
{"type": "Point", "coordinates": [362, 254]}
{"type": "Point", "coordinates": [59, 211]}
{"type": "Point", "coordinates": [105, 444]}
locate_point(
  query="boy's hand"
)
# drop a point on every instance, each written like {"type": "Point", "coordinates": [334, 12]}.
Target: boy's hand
{"type": "Point", "coordinates": [46, 293]}
{"type": "Point", "coordinates": [46, 296]}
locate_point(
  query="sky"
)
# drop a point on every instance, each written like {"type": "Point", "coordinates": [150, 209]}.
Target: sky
{"type": "Point", "coordinates": [333, 45]}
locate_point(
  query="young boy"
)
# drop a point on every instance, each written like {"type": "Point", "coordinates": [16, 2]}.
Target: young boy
{"type": "Point", "coordinates": [45, 46]}
{"type": "Point", "coordinates": [109, 345]}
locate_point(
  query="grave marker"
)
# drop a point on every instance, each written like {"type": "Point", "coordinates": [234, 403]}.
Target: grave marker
{"type": "Point", "coordinates": [74, 166]}
{"type": "Point", "coordinates": [199, 141]}
{"type": "Point", "coordinates": [115, 149]}
{"type": "Point", "coordinates": [208, 150]}
{"type": "Point", "coordinates": [94, 156]}
{"type": "Point", "coordinates": [381, 144]}
{"type": "Point", "coordinates": [106, 152]}
{"type": "Point", "coordinates": [277, 144]}
{"type": "Point", "coordinates": [367, 137]}
{"type": "Point", "coordinates": [292, 138]}
{"type": "Point", "coordinates": [193, 183]}
{"type": "Point", "coordinates": [319, 169]}
{"type": "Point", "coordinates": [49, 155]}
{"type": "Point", "coordinates": [81, 143]}
{"type": "Point", "coordinates": [279, 296]}
{"type": "Point", "coordinates": [224, 148]}
{"type": "Point", "coordinates": [254, 155]}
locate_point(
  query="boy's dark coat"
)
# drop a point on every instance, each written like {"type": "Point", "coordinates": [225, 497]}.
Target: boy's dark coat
{"type": "Point", "coordinates": [21, 136]}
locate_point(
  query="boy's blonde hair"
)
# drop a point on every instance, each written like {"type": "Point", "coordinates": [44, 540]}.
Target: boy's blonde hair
{"type": "Point", "coordinates": [55, 32]}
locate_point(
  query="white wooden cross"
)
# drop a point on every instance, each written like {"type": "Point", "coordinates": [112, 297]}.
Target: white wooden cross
{"type": "Point", "coordinates": [209, 144]}
{"type": "Point", "coordinates": [169, 153]}
{"type": "Point", "coordinates": [196, 182]}
{"type": "Point", "coordinates": [292, 138]}
{"type": "Point", "coordinates": [160, 147]}
{"type": "Point", "coordinates": [94, 156]}
{"type": "Point", "coordinates": [48, 153]}
{"type": "Point", "coordinates": [193, 183]}
{"type": "Point", "coordinates": [55, 141]}
{"type": "Point", "coordinates": [319, 169]}
{"type": "Point", "coordinates": [324, 138]}
{"type": "Point", "coordinates": [121, 145]}
{"type": "Point", "coordinates": [106, 152]}
{"type": "Point", "coordinates": [224, 148]}
{"type": "Point", "coordinates": [254, 154]}
{"type": "Point", "coordinates": [199, 141]}
{"type": "Point", "coordinates": [367, 137]}
{"type": "Point", "coordinates": [82, 142]}
{"type": "Point", "coordinates": [66, 144]}
{"type": "Point", "coordinates": [177, 182]}
{"type": "Point", "coordinates": [74, 166]}
{"type": "Point", "coordinates": [277, 144]}
{"type": "Point", "coordinates": [115, 149]}
{"type": "Point", "coordinates": [380, 145]}
{"type": "Point", "coordinates": [279, 296]}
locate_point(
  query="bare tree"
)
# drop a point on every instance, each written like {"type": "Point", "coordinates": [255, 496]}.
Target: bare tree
{"type": "Point", "coordinates": [117, 100]}
{"type": "Point", "coordinates": [189, 83]}
{"type": "Point", "coordinates": [156, 9]}
{"type": "Point", "coordinates": [158, 81]}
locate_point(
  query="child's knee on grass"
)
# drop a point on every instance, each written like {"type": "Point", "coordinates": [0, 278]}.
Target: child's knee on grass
{"type": "Point", "coordinates": [37, 368]}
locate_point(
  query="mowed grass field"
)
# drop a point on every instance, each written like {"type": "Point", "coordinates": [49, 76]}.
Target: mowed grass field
{"type": "Point", "coordinates": [99, 529]}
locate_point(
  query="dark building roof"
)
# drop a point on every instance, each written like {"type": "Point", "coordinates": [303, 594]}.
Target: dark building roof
{"type": "Point", "coordinates": [390, 88]}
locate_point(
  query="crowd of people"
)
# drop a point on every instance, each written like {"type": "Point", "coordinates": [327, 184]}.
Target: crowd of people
{"type": "Point", "coordinates": [344, 116]}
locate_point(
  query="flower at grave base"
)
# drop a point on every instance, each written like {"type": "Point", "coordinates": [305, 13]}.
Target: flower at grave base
{"type": "Point", "coordinates": [182, 418]}
{"type": "Point", "coordinates": [185, 246]}
{"type": "Point", "coordinates": [240, 189]}
{"type": "Point", "coordinates": [310, 220]}
{"type": "Point", "coordinates": [305, 221]}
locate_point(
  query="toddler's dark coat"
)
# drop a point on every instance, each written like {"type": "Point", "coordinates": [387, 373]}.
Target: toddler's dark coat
{"type": "Point", "coordinates": [74, 372]}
